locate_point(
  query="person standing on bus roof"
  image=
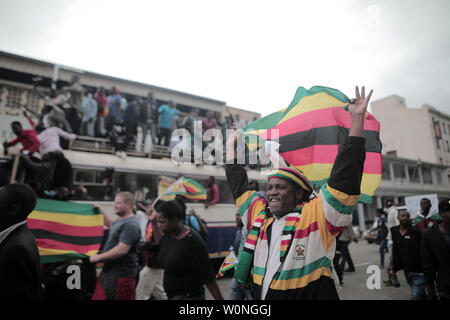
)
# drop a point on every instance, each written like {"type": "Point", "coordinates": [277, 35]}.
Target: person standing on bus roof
{"type": "Point", "coordinates": [277, 243]}
{"type": "Point", "coordinates": [118, 278]}
{"type": "Point", "coordinates": [167, 113]}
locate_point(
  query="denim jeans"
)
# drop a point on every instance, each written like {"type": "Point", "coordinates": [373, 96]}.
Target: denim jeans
{"type": "Point", "coordinates": [417, 283]}
{"type": "Point", "coordinates": [382, 247]}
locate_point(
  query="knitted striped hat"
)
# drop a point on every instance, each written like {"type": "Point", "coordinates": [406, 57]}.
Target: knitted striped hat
{"type": "Point", "coordinates": [295, 176]}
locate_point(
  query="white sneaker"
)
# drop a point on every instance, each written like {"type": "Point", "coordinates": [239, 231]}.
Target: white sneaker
{"type": "Point", "coordinates": [117, 153]}
{"type": "Point", "coordinates": [123, 155]}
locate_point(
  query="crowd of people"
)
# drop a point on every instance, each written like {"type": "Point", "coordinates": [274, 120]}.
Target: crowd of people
{"type": "Point", "coordinates": [122, 118]}
{"type": "Point", "coordinates": [419, 247]}
{"type": "Point", "coordinates": [285, 243]}
{"type": "Point", "coordinates": [42, 163]}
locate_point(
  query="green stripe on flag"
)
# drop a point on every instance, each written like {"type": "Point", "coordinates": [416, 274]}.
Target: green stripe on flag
{"type": "Point", "coordinates": [62, 257]}
{"type": "Point", "coordinates": [55, 206]}
{"type": "Point", "coordinates": [302, 92]}
{"type": "Point", "coordinates": [335, 203]}
{"type": "Point", "coordinates": [297, 273]}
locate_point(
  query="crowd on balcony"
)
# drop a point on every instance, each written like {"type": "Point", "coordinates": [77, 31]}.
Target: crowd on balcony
{"type": "Point", "coordinates": [122, 118]}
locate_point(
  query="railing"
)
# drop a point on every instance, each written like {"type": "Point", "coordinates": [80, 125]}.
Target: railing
{"type": "Point", "coordinates": [102, 145]}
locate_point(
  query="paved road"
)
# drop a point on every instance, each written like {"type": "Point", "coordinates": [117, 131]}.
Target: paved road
{"type": "Point", "coordinates": [355, 283]}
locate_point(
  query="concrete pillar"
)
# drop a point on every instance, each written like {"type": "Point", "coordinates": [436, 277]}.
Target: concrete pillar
{"type": "Point", "coordinates": [379, 202]}
{"type": "Point", "coordinates": [361, 217]}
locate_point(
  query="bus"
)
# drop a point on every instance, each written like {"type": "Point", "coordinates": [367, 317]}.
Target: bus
{"type": "Point", "coordinates": [93, 163]}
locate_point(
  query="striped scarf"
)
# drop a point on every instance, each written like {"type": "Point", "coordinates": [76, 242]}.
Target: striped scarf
{"type": "Point", "coordinates": [244, 266]}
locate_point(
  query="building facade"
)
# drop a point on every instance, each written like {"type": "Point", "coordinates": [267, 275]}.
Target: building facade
{"type": "Point", "coordinates": [419, 134]}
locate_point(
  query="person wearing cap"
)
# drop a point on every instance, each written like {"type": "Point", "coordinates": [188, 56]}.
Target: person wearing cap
{"type": "Point", "coordinates": [290, 245]}
{"type": "Point", "coordinates": [435, 254]}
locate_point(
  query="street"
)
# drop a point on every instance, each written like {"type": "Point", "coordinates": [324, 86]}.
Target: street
{"type": "Point", "coordinates": [355, 283]}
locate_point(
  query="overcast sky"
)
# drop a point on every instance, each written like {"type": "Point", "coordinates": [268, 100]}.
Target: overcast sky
{"type": "Point", "coordinates": [251, 54]}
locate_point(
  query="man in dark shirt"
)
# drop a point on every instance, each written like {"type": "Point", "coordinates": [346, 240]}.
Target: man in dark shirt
{"type": "Point", "coordinates": [406, 254]}
{"type": "Point", "coordinates": [435, 253]}
{"type": "Point", "coordinates": [20, 274]}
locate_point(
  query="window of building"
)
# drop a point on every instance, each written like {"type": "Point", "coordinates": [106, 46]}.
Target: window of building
{"type": "Point", "coordinates": [386, 174]}
{"type": "Point", "coordinates": [413, 172]}
{"type": "Point", "coordinates": [392, 153]}
{"type": "Point", "coordinates": [443, 125]}
{"type": "Point", "coordinates": [448, 126]}
{"type": "Point", "coordinates": [448, 149]}
{"type": "Point", "coordinates": [438, 175]}
{"type": "Point", "coordinates": [426, 175]}
{"type": "Point", "coordinates": [399, 171]}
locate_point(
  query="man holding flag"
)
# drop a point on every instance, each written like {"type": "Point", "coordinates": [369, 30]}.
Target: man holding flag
{"type": "Point", "coordinates": [118, 278]}
{"type": "Point", "coordinates": [291, 239]}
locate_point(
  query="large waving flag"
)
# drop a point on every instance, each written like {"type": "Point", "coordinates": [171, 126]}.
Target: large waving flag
{"type": "Point", "coordinates": [185, 187]}
{"type": "Point", "coordinates": [310, 131]}
{"type": "Point", "coordinates": [65, 230]}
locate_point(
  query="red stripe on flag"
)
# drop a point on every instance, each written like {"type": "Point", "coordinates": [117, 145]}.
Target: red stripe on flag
{"type": "Point", "coordinates": [57, 245]}
{"type": "Point", "coordinates": [299, 234]}
{"type": "Point", "coordinates": [191, 190]}
{"type": "Point", "coordinates": [333, 229]}
{"type": "Point", "coordinates": [373, 163]}
{"type": "Point", "coordinates": [327, 154]}
{"type": "Point", "coordinates": [327, 117]}
{"type": "Point", "coordinates": [60, 228]}
{"type": "Point", "coordinates": [313, 154]}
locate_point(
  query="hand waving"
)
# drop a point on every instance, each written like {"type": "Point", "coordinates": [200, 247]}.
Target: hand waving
{"type": "Point", "coordinates": [359, 104]}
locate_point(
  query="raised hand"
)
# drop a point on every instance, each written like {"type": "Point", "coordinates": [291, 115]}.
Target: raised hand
{"type": "Point", "coordinates": [357, 108]}
{"type": "Point", "coordinates": [359, 104]}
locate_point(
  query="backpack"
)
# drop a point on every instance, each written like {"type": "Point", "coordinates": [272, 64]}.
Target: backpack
{"type": "Point", "coordinates": [203, 226]}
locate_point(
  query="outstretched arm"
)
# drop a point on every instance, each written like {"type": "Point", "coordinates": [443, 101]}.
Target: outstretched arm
{"type": "Point", "coordinates": [249, 202]}
{"type": "Point", "coordinates": [342, 191]}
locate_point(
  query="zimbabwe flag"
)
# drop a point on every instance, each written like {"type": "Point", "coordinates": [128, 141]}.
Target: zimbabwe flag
{"type": "Point", "coordinates": [65, 230]}
{"type": "Point", "coordinates": [228, 263]}
{"type": "Point", "coordinates": [310, 132]}
{"type": "Point", "coordinates": [187, 188]}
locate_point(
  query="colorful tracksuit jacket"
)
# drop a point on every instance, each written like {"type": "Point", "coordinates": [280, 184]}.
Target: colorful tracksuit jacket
{"type": "Point", "coordinates": [308, 239]}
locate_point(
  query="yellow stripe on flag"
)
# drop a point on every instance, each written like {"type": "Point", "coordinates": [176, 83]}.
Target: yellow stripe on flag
{"type": "Point", "coordinates": [69, 219]}
{"type": "Point", "coordinates": [316, 101]}
{"type": "Point", "coordinates": [51, 252]}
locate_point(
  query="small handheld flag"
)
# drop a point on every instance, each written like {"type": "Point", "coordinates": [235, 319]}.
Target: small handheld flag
{"type": "Point", "coordinates": [185, 187]}
{"type": "Point", "coordinates": [230, 262]}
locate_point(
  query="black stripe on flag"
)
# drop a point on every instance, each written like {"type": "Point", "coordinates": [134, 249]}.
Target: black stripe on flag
{"type": "Point", "coordinates": [76, 240]}
{"type": "Point", "coordinates": [334, 135]}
